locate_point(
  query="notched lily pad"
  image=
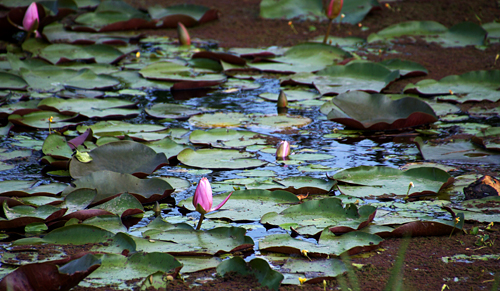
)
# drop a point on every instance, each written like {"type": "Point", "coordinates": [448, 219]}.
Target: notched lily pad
{"type": "Point", "coordinates": [227, 138]}
{"type": "Point", "coordinates": [361, 110]}
{"type": "Point", "coordinates": [110, 184]}
{"type": "Point", "coordinates": [122, 157]}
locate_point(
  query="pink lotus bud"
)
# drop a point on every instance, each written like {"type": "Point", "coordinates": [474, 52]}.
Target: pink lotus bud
{"type": "Point", "coordinates": [31, 19]}
{"type": "Point", "coordinates": [182, 33]}
{"type": "Point", "coordinates": [283, 150]}
{"type": "Point", "coordinates": [334, 8]}
{"type": "Point", "coordinates": [202, 200]}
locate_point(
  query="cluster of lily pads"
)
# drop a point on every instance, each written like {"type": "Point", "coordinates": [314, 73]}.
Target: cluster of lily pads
{"type": "Point", "coordinates": [116, 129]}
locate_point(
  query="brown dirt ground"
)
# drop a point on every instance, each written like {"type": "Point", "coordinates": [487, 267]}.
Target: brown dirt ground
{"type": "Point", "coordinates": [239, 25]}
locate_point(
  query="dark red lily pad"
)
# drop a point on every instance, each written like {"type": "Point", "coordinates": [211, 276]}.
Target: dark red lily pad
{"type": "Point", "coordinates": [360, 110]}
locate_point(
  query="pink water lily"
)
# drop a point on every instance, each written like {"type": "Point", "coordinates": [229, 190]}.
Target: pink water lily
{"type": "Point", "coordinates": [334, 8]}
{"type": "Point", "coordinates": [31, 19]}
{"type": "Point", "coordinates": [283, 150]}
{"type": "Point", "coordinates": [202, 199]}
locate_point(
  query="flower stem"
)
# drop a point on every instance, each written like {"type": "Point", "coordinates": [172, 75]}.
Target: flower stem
{"type": "Point", "coordinates": [200, 221]}
{"type": "Point", "coordinates": [327, 32]}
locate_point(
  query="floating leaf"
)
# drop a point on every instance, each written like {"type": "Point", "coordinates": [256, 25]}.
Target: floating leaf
{"type": "Point", "coordinates": [219, 119]}
{"type": "Point", "coordinates": [249, 204]}
{"type": "Point", "coordinates": [92, 108]}
{"type": "Point", "coordinates": [109, 184]}
{"type": "Point", "coordinates": [219, 159]}
{"type": "Point", "coordinates": [296, 185]}
{"type": "Point", "coordinates": [122, 157]}
{"type": "Point", "coordinates": [174, 111]}
{"type": "Point", "coordinates": [226, 138]}
{"type": "Point", "coordinates": [187, 14]}
{"type": "Point", "coordinates": [389, 181]}
{"type": "Point", "coordinates": [377, 112]}
{"type": "Point", "coordinates": [406, 68]}
{"type": "Point", "coordinates": [12, 82]}
{"type": "Point", "coordinates": [470, 86]}
{"type": "Point", "coordinates": [40, 119]}
{"type": "Point", "coordinates": [258, 267]}
{"type": "Point", "coordinates": [311, 217]}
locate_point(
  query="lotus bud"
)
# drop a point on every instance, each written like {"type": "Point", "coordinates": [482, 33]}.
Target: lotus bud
{"type": "Point", "coordinates": [334, 8]}
{"type": "Point", "coordinates": [31, 19]}
{"type": "Point", "coordinates": [157, 209]}
{"type": "Point", "coordinates": [202, 199]}
{"type": "Point", "coordinates": [282, 101]}
{"type": "Point", "coordinates": [182, 33]}
{"type": "Point", "coordinates": [283, 150]}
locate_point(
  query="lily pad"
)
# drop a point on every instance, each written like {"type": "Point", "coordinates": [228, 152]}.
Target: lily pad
{"type": "Point", "coordinates": [12, 82]}
{"type": "Point", "coordinates": [117, 128]}
{"type": "Point", "coordinates": [226, 138]}
{"type": "Point", "coordinates": [110, 184]}
{"type": "Point", "coordinates": [470, 86]}
{"type": "Point", "coordinates": [59, 53]}
{"type": "Point", "coordinates": [311, 217]}
{"type": "Point", "coordinates": [187, 14]}
{"type": "Point", "coordinates": [219, 119]}
{"type": "Point", "coordinates": [328, 244]}
{"type": "Point", "coordinates": [278, 122]}
{"type": "Point", "coordinates": [219, 159]}
{"type": "Point", "coordinates": [266, 276]}
{"type": "Point", "coordinates": [92, 108]}
{"type": "Point", "coordinates": [40, 119]}
{"type": "Point", "coordinates": [174, 111]}
{"type": "Point", "coordinates": [354, 11]}
{"type": "Point", "coordinates": [306, 57]}
{"type": "Point", "coordinates": [378, 180]}
{"type": "Point", "coordinates": [296, 185]}
{"type": "Point", "coordinates": [249, 205]}
{"type": "Point", "coordinates": [356, 75]}
{"type": "Point", "coordinates": [361, 110]}
{"type": "Point", "coordinates": [406, 68]}
{"type": "Point", "coordinates": [127, 157]}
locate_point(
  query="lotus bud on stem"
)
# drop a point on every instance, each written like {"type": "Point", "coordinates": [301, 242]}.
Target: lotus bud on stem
{"type": "Point", "coordinates": [333, 10]}
{"type": "Point", "coordinates": [202, 200]}
{"type": "Point", "coordinates": [157, 209]}
{"type": "Point", "coordinates": [282, 100]}
{"type": "Point", "coordinates": [183, 35]}
{"type": "Point", "coordinates": [283, 150]}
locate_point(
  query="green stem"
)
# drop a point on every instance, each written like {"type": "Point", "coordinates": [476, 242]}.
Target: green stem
{"type": "Point", "coordinates": [327, 32]}
{"type": "Point", "coordinates": [200, 221]}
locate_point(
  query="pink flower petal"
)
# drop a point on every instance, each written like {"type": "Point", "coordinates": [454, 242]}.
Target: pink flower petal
{"type": "Point", "coordinates": [222, 203]}
{"type": "Point", "coordinates": [31, 20]}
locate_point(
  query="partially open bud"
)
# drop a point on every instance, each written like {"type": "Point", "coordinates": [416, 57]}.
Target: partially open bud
{"type": "Point", "coordinates": [283, 150]}
{"type": "Point", "coordinates": [182, 33]}
{"type": "Point", "coordinates": [202, 199]}
{"type": "Point", "coordinates": [282, 101]}
{"type": "Point", "coordinates": [334, 8]}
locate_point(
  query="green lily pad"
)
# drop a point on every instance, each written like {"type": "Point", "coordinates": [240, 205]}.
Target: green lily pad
{"type": "Point", "coordinates": [266, 276]}
{"type": "Point", "coordinates": [12, 82]}
{"type": "Point", "coordinates": [92, 108]}
{"type": "Point", "coordinates": [361, 110]}
{"type": "Point", "coordinates": [167, 146]}
{"type": "Point", "coordinates": [378, 180]}
{"type": "Point", "coordinates": [56, 146]}
{"type": "Point", "coordinates": [354, 11]}
{"type": "Point", "coordinates": [356, 75]}
{"type": "Point", "coordinates": [458, 150]}
{"type": "Point", "coordinates": [314, 271]}
{"type": "Point", "coordinates": [126, 272]}
{"type": "Point", "coordinates": [172, 71]}
{"type": "Point", "coordinates": [53, 79]}
{"type": "Point", "coordinates": [278, 122]}
{"type": "Point", "coordinates": [226, 138]}
{"type": "Point", "coordinates": [109, 184]}
{"type": "Point", "coordinates": [40, 119]}
{"type": "Point", "coordinates": [219, 159]}
{"type": "Point", "coordinates": [311, 217]}
{"type": "Point", "coordinates": [123, 205]}
{"type": "Point", "coordinates": [248, 204]}
{"type": "Point", "coordinates": [100, 53]}
{"type": "Point", "coordinates": [125, 156]}
{"type": "Point", "coordinates": [328, 244]}
{"type": "Point", "coordinates": [213, 241]}
{"type": "Point", "coordinates": [219, 119]}
{"type": "Point", "coordinates": [117, 128]}
{"type": "Point", "coordinates": [406, 68]}
{"type": "Point", "coordinates": [134, 80]}
{"type": "Point", "coordinates": [174, 111]}
{"type": "Point", "coordinates": [188, 14]}
{"type": "Point", "coordinates": [296, 185]}
{"type": "Point", "coordinates": [462, 34]}
{"type": "Point", "coordinates": [470, 86]}
{"type": "Point", "coordinates": [306, 57]}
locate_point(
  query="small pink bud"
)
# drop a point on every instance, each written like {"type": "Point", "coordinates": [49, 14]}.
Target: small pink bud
{"type": "Point", "coordinates": [334, 8]}
{"type": "Point", "coordinates": [31, 19]}
{"type": "Point", "coordinates": [283, 150]}
{"type": "Point", "coordinates": [202, 199]}
{"type": "Point", "coordinates": [182, 33]}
